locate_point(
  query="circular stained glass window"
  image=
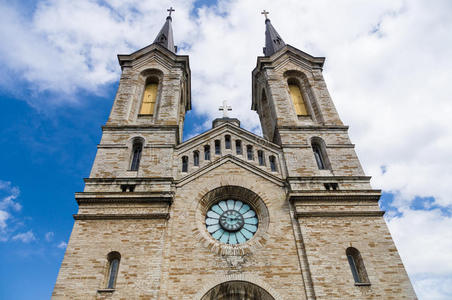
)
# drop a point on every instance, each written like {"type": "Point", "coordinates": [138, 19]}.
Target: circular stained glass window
{"type": "Point", "coordinates": [231, 222]}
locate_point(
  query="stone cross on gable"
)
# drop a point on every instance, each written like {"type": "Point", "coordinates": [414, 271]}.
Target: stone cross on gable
{"type": "Point", "coordinates": [170, 10]}
{"type": "Point", "coordinates": [265, 13]}
{"type": "Point", "coordinates": [225, 108]}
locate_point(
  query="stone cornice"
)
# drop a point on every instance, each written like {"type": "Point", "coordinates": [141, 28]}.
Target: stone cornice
{"type": "Point", "coordinates": [127, 127]}
{"type": "Point", "coordinates": [313, 214]}
{"type": "Point", "coordinates": [341, 195]}
{"type": "Point", "coordinates": [314, 128]}
{"type": "Point", "coordinates": [128, 179]}
{"type": "Point", "coordinates": [330, 178]}
{"type": "Point", "coordinates": [164, 216]}
{"type": "Point", "coordinates": [124, 197]}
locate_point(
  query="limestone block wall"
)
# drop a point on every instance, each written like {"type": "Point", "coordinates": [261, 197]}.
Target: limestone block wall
{"type": "Point", "coordinates": [326, 240]}
{"type": "Point", "coordinates": [273, 80]}
{"type": "Point", "coordinates": [172, 93]}
{"type": "Point", "coordinates": [195, 262]}
{"type": "Point", "coordinates": [114, 154]}
{"type": "Point", "coordinates": [85, 266]}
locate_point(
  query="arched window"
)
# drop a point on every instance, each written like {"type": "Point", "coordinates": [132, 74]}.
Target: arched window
{"type": "Point", "coordinates": [227, 141]}
{"type": "Point", "coordinates": [136, 154]}
{"type": "Point", "coordinates": [357, 265]}
{"type": "Point", "coordinates": [113, 267]}
{"type": "Point", "coordinates": [238, 147]}
{"type": "Point", "coordinates": [217, 147]}
{"type": "Point", "coordinates": [184, 163]}
{"type": "Point", "coordinates": [297, 98]}
{"type": "Point", "coordinates": [249, 152]}
{"type": "Point", "coordinates": [149, 96]}
{"type": "Point", "coordinates": [206, 152]}
{"type": "Point", "coordinates": [272, 161]}
{"type": "Point", "coordinates": [196, 158]}
{"type": "Point", "coordinates": [260, 157]}
{"type": "Point", "coordinates": [318, 149]}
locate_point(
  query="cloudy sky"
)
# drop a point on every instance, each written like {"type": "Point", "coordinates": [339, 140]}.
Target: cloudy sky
{"type": "Point", "coordinates": [388, 70]}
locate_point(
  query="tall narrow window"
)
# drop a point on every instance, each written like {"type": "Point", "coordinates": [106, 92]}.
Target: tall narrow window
{"type": "Point", "coordinates": [149, 97]}
{"type": "Point", "coordinates": [297, 98]}
{"type": "Point", "coordinates": [206, 152]}
{"type": "Point", "coordinates": [249, 152]}
{"type": "Point", "coordinates": [318, 154]}
{"type": "Point", "coordinates": [272, 161]}
{"type": "Point", "coordinates": [136, 154]}
{"type": "Point", "coordinates": [113, 266]}
{"type": "Point", "coordinates": [238, 147]}
{"type": "Point", "coordinates": [227, 141]}
{"type": "Point", "coordinates": [196, 158]}
{"type": "Point", "coordinates": [184, 163]}
{"type": "Point", "coordinates": [260, 157]}
{"type": "Point", "coordinates": [357, 266]}
{"type": "Point", "coordinates": [217, 147]}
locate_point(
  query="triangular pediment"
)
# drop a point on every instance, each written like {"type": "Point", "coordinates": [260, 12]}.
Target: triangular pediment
{"type": "Point", "coordinates": [222, 129]}
{"type": "Point", "coordinates": [223, 162]}
{"type": "Point", "coordinates": [256, 153]}
{"type": "Point", "coordinates": [289, 52]}
{"type": "Point", "coordinates": [127, 60]}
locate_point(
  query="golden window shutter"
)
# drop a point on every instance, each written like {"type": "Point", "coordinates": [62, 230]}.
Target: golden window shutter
{"type": "Point", "coordinates": [149, 98]}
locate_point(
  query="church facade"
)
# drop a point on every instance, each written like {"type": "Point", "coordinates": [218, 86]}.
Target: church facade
{"type": "Point", "coordinates": [228, 214]}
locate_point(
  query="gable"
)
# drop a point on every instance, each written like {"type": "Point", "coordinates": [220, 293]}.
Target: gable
{"type": "Point", "coordinates": [265, 157]}
{"type": "Point", "coordinates": [230, 167]}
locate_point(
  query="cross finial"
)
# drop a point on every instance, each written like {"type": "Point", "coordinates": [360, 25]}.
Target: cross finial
{"type": "Point", "coordinates": [225, 108]}
{"type": "Point", "coordinates": [170, 10]}
{"type": "Point", "coordinates": [265, 13]}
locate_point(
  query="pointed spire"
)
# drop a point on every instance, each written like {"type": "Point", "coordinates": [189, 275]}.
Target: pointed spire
{"type": "Point", "coordinates": [165, 36]}
{"type": "Point", "coordinates": [273, 42]}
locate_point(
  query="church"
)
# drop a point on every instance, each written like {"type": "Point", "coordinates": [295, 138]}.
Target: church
{"type": "Point", "coordinates": [228, 214]}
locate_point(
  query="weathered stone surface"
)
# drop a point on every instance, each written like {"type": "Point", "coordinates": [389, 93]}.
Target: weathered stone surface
{"type": "Point", "coordinates": [155, 217]}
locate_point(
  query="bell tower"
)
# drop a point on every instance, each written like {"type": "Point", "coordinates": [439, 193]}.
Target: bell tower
{"type": "Point", "coordinates": [335, 210]}
{"type": "Point", "coordinates": [154, 89]}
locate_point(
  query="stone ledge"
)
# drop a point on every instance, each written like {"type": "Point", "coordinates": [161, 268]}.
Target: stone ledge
{"type": "Point", "coordinates": [117, 197]}
{"type": "Point", "coordinates": [105, 290]}
{"type": "Point", "coordinates": [320, 178]}
{"type": "Point", "coordinates": [314, 214]}
{"type": "Point", "coordinates": [120, 216]}
{"type": "Point", "coordinates": [362, 283]}
{"type": "Point", "coordinates": [128, 179]}
{"type": "Point", "coordinates": [344, 195]}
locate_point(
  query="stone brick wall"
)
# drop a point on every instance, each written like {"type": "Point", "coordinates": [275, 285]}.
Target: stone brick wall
{"type": "Point", "coordinates": [158, 227]}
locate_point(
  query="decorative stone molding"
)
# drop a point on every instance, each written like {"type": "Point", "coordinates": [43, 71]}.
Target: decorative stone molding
{"type": "Point", "coordinates": [236, 193]}
{"type": "Point", "coordinates": [121, 216]}
{"type": "Point", "coordinates": [237, 277]}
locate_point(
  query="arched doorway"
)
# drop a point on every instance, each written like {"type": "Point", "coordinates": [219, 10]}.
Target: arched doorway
{"type": "Point", "coordinates": [237, 290]}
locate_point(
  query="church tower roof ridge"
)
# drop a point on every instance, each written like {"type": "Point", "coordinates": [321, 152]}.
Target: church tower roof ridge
{"type": "Point", "coordinates": [273, 41]}
{"type": "Point", "coordinates": [165, 35]}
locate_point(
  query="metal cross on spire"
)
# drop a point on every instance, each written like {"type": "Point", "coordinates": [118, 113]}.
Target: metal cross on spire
{"type": "Point", "coordinates": [225, 108]}
{"type": "Point", "coordinates": [265, 13]}
{"type": "Point", "coordinates": [170, 10]}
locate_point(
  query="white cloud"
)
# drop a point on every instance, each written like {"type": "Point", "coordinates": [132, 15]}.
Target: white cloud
{"type": "Point", "coordinates": [25, 237]}
{"type": "Point", "coordinates": [49, 236]}
{"type": "Point", "coordinates": [388, 71]}
{"type": "Point", "coordinates": [424, 241]}
{"type": "Point", "coordinates": [8, 206]}
{"type": "Point", "coordinates": [62, 245]}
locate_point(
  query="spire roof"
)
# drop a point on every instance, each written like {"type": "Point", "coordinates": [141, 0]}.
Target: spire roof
{"type": "Point", "coordinates": [273, 41]}
{"type": "Point", "coordinates": [165, 36]}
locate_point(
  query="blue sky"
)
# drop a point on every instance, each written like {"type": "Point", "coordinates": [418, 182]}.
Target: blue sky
{"type": "Point", "coordinates": [387, 69]}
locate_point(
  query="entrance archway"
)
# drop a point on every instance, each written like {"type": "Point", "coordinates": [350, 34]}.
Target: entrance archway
{"type": "Point", "coordinates": [237, 290]}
